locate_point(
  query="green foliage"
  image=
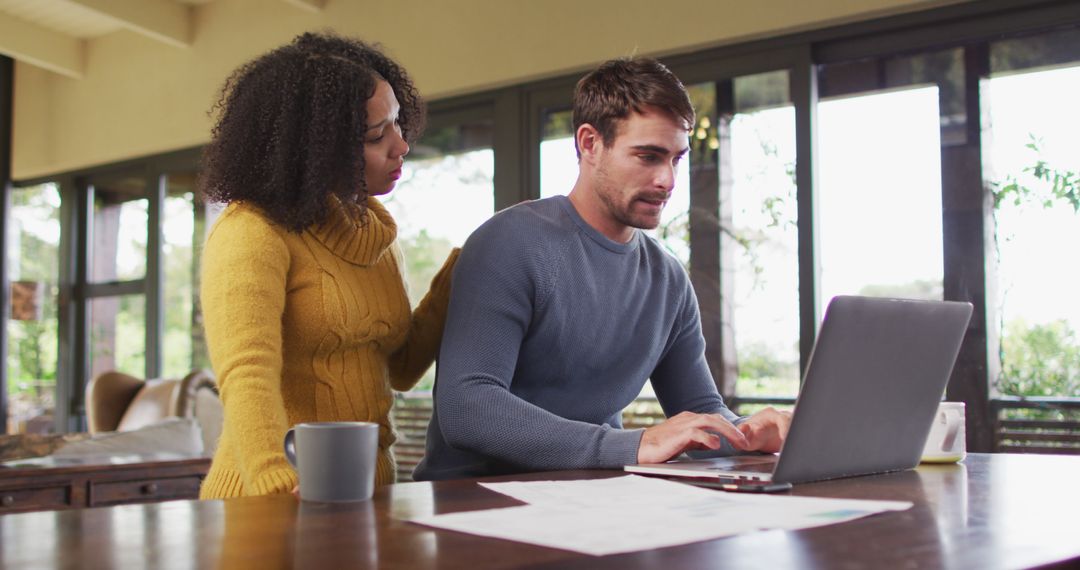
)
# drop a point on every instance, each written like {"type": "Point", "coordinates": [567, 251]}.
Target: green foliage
{"type": "Point", "coordinates": [751, 409]}
{"type": "Point", "coordinates": [1050, 185]}
{"type": "Point", "coordinates": [32, 345]}
{"type": "Point", "coordinates": [1048, 414]}
{"type": "Point", "coordinates": [674, 235]}
{"type": "Point", "coordinates": [762, 91]}
{"type": "Point", "coordinates": [1040, 360]}
{"type": "Point", "coordinates": [32, 355]}
{"type": "Point", "coordinates": [424, 256]}
{"type": "Point", "coordinates": [757, 362]}
{"type": "Point", "coordinates": [761, 373]}
{"type": "Point", "coordinates": [183, 345]}
{"type": "Point", "coordinates": [558, 125]}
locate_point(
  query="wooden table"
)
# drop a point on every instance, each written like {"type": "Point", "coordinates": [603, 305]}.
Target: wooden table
{"type": "Point", "coordinates": [47, 483]}
{"type": "Point", "coordinates": [993, 511]}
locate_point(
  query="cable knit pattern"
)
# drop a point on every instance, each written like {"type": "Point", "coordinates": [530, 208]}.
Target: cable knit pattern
{"type": "Point", "coordinates": [553, 329]}
{"type": "Point", "coordinates": [309, 327]}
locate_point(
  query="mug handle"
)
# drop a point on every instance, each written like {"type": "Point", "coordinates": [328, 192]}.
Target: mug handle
{"type": "Point", "coordinates": [954, 419]}
{"type": "Point", "coordinates": [290, 447]}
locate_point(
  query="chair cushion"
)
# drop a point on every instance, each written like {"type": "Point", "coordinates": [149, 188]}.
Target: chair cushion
{"type": "Point", "coordinates": [155, 402]}
{"type": "Point", "coordinates": [175, 435]}
{"type": "Point", "coordinates": [107, 398]}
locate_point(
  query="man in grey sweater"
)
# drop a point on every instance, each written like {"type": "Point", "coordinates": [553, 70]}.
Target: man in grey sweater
{"type": "Point", "coordinates": [562, 309]}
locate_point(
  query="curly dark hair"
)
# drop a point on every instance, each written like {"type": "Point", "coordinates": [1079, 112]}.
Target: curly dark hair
{"type": "Point", "coordinates": [291, 127]}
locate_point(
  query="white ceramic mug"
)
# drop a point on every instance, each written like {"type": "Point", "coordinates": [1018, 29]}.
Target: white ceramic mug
{"type": "Point", "coordinates": [947, 441]}
{"type": "Point", "coordinates": [335, 460]}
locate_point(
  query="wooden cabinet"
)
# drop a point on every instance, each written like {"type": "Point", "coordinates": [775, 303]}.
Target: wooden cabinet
{"type": "Point", "coordinates": [35, 498]}
{"type": "Point", "coordinates": [54, 483]}
{"type": "Point", "coordinates": [144, 490]}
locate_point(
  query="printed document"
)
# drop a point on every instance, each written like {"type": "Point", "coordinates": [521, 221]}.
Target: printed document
{"type": "Point", "coordinates": [631, 513]}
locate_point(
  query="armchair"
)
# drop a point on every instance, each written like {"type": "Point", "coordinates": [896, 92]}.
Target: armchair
{"type": "Point", "coordinates": [119, 402]}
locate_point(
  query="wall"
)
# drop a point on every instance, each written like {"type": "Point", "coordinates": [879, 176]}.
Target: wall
{"type": "Point", "coordinates": [140, 97]}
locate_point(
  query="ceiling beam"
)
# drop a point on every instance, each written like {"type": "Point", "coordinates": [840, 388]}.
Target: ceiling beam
{"type": "Point", "coordinates": [30, 43]}
{"type": "Point", "coordinates": [315, 6]}
{"type": "Point", "coordinates": [163, 20]}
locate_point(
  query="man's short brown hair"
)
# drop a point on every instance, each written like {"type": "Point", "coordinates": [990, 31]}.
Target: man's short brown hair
{"type": "Point", "coordinates": [620, 86]}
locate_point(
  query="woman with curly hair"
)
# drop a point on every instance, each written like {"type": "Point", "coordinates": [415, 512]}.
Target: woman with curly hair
{"type": "Point", "coordinates": [306, 313]}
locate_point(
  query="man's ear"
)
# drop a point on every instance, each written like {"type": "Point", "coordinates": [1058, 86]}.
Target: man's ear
{"type": "Point", "coordinates": [588, 140]}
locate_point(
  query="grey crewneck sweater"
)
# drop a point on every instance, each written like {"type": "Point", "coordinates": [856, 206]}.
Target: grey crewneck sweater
{"type": "Point", "coordinates": [552, 330]}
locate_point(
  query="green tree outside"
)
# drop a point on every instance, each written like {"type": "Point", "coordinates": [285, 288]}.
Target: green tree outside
{"type": "Point", "coordinates": [1039, 359]}
{"type": "Point", "coordinates": [424, 256]}
{"type": "Point", "coordinates": [32, 344]}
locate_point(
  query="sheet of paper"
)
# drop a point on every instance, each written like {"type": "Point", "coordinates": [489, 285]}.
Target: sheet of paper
{"type": "Point", "coordinates": [630, 513]}
{"type": "Point", "coordinates": [626, 489]}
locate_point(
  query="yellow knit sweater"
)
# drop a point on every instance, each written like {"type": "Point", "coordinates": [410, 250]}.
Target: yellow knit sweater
{"type": "Point", "coordinates": [308, 327]}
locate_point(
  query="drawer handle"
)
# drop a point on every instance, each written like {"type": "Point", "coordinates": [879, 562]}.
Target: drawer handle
{"type": "Point", "coordinates": [8, 500]}
{"type": "Point", "coordinates": [150, 488]}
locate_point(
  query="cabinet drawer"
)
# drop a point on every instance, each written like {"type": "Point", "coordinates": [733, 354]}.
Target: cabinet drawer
{"type": "Point", "coordinates": [142, 490]}
{"type": "Point", "coordinates": [35, 498]}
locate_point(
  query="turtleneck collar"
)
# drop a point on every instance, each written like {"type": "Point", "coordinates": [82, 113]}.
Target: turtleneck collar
{"type": "Point", "coordinates": [356, 239]}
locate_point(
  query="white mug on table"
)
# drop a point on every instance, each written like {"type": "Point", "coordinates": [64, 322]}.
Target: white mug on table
{"type": "Point", "coordinates": [947, 441]}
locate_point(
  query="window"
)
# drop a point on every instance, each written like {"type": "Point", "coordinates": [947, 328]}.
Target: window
{"type": "Point", "coordinates": [116, 310]}
{"type": "Point", "coordinates": [32, 332]}
{"type": "Point", "coordinates": [183, 231]}
{"type": "Point", "coordinates": [117, 334]}
{"type": "Point", "coordinates": [880, 176]}
{"type": "Point", "coordinates": [558, 159]}
{"type": "Point", "coordinates": [1031, 140]}
{"type": "Point", "coordinates": [118, 230]}
{"type": "Point", "coordinates": [881, 196]}
{"type": "Point", "coordinates": [446, 191]}
{"type": "Point", "coordinates": [759, 232]}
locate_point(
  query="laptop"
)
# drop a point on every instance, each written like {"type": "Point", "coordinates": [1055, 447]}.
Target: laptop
{"type": "Point", "coordinates": [875, 377]}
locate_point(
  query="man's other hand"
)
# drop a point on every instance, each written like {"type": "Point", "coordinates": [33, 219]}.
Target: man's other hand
{"type": "Point", "coordinates": [685, 432]}
{"type": "Point", "coordinates": [766, 430]}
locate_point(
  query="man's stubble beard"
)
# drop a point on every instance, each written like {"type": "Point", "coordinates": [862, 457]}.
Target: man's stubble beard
{"type": "Point", "coordinates": [608, 196]}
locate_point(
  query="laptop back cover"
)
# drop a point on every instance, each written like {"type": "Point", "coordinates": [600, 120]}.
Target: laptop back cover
{"type": "Point", "coordinates": [877, 373]}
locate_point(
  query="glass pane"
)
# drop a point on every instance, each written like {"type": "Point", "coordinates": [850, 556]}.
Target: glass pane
{"type": "Point", "coordinates": [117, 334]}
{"type": "Point", "coordinates": [1030, 149]}
{"type": "Point", "coordinates": [183, 346]}
{"type": "Point", "coordinates": [863, 77]}
{"type": "Point", "coordinates": [880, 198]}
{"type": "Point", "coordinates": [881, 129]}
{"type": "Point", "coordinates": [446, 190]}
{"type": "Point", "coordinates": [1027, 54]}
{"type": "Point", "coordinates": [558, 159]}
{"type": "Point", "coordinates": [762, 244]}
{"type": "Point", "coordinates": [118, 243]}
{"type": "Point", "coordinates": [34, 264]}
